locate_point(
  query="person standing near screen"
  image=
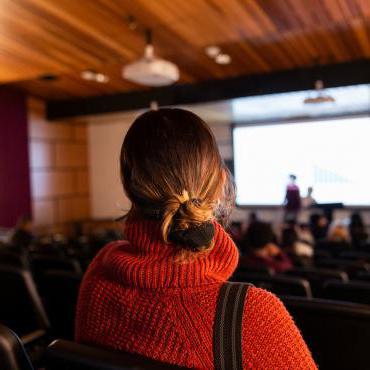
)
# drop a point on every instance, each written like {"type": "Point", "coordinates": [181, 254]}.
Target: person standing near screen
{"type": "Point", "coordinates": [308, 201]}
{"type": "Point", "coordinates": [292, 202]}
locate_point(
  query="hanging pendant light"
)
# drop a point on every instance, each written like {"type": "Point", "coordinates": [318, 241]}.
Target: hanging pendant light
{"type": "Point", "coordinates": [150, 70]}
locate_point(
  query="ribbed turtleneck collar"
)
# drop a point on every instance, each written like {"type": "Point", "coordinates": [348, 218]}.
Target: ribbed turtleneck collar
{"type": "Point", "coordinates": [145, 261]}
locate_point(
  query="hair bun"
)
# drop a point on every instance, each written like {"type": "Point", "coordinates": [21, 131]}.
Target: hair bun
{"type": "Point", "coordinates": [194, 237]}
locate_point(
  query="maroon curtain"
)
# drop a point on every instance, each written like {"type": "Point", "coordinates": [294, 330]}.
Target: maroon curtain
{"type": "Point", "coordinates": [15, 194]}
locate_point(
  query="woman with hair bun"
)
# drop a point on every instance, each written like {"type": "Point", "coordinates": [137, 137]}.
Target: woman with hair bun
{"type": "Point", "coordinates": [156, 294]}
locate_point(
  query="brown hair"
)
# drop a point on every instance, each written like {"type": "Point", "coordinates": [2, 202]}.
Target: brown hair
{"type": "Point", "coordinates": [171, 169]}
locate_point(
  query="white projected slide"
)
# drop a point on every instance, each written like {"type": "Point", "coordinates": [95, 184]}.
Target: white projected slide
{"type": "Point", "coordinates": [333, 156]}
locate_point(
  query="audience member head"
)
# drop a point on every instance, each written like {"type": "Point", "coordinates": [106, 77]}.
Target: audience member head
{"type": "Point", "coordinates": [356, 219]}
{"type": "Point", "coordinates": [259, 236]}
{"type": "Point", "coordinates": [318, 225]}
{"type": "Point", "coordinates": [22, 236]}
{"type": "Point", "coordinates": [309, 191]}
{"type": "Point", "coordinates": [339, 232]}
{"type": "Point", "coordinates": [172, 171]}
{"type": "Point", "coordinates": [252, 217]}
{"type": "Point", "coordinates": [289, 237]}
{"type": "Point", "coordinates": [24, 223]}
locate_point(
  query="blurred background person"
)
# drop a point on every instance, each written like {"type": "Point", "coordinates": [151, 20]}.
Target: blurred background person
{"type": "Point", "coordinates": [308, 201]}
{"type": "Point", "coordinates": [292, 202]}
{"type": "Point", "coordinates": [339, 232]}
{"type": "Point", "coordinates": [260, 249]}
{"type": "Point", "coordinates": [319, 226]}
{"type": "Point", "coordinates": [357, 230]}
{"type": "Point", "coordinates": [299, 251]}
{"type": "Point", "coordinates": [22, 236]}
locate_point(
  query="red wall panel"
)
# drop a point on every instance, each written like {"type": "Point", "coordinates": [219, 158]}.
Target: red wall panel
{"type": "Point", "coordinates": [15, 195]}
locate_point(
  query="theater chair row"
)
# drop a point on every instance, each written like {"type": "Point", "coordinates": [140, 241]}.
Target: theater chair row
{"type": "Point", "coordinates": [346, 280]}
{"type": "Point", "coordinates": [337, 334]}
{"type": "Point", "coordinates": [66, 355]}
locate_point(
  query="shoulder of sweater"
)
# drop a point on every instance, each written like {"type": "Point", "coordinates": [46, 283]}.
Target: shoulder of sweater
{"type": "Point", "coordinates": [265, 301]}
{"type": "Point", "coordinates": [270, 333]}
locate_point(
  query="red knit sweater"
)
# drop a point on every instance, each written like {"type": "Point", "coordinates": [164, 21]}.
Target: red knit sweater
{"type": "Point", "coordinates": [135, 297]}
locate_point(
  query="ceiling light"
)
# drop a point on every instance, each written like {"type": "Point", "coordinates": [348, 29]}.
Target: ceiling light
{"type": "Point", "coordinates": [150, 70]}
{"type": "Point", "coordinates": [223, 59]}
{"type": "Point", "coordinates": [101, 78]}
{"type": "Point", "coordinates": [212, 51]}
{"type": "Point", "coordinates": [90, 75]}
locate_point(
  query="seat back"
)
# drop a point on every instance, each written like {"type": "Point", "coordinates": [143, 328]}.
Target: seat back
{"type": "Point", "coordinates": [21, 308]}
{"type": "Point", "coordinates": [12, 258]}
{"type": "Point", "coordinates": [65, 355]}
{"type": "Point", "coordinates": [278, 284]}
{"type": "Point", "coordinates": [12, 353]}
{"type": "Point", "coordinates": [351, 267]}
{"type": "Point", "coordinates": [60, 293]}
{"type": "Point", "coordinates": [355, 255]}
{"type": "Point", "coordinates": [333, 247]}
{"type": "Point", "coordinates": [40, 264]}
{"type": "Point", "coordinates": [362, 276]}
{"type": "Point", "coordinates": [317, 277]}
{"type": "Point", "coordinates": [354, 291]}
{"type": "Point", "coordinates": [337, 333]}
{"type": "Point", "coordinates": [245, 267]}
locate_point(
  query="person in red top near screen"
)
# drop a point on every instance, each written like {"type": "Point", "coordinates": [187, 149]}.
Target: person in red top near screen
{"type": "Point", "coordinates": [155, 293]}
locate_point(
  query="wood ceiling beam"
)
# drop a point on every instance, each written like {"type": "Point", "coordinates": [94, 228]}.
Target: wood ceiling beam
{"type": "Point", "coordinates": [334, 75]}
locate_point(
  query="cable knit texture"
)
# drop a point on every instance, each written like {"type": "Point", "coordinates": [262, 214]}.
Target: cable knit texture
{"type": "Point", "coordinates": [137, 297]}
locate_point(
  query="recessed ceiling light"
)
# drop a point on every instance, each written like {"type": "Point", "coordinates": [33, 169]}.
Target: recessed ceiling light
{"type": "Point", "coordinates": [102, 78]}
{"type": "Point", "coordinates": [91, 75]}
{"type": "Point", "coordinates": [88, 75]}
{"type": "Point", "coordinates": [223, 59]}
{"type": "Point", "coordinates": [212, 51]}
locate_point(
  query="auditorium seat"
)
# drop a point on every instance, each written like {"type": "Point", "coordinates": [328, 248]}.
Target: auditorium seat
{"type": "Point", "coordinates": [317, 277]}
{"type": "Point", "coordinates": [320, 254]}
{"type": "Point", "coordinates": [13, 355]}
{"type": "Point", "coordinates": [278, 284]}
{"type": "Point", "coordinates": [261, 270]}
{"type": "Point", "coordinates": [65, 355]}
{"type": "Point", "coordinates": [21, 308]}
{"type": "Point", "coordinates": [13, 258]}
{"type": "Point", "coordinates": [337, 333]}
{"type": "Point", "coordinates": [354, 291]}
{"type": "Point", "coordinates": [59, 290]}
{"type": "Point", "coordinates": [40, 264]}
{"type": "Point", "coordinates": [355, 255]}
{"type": "Point", "coordinates": [349, 266]}
{"type": "Point", "coordinates": [362, 276]}
{"type": "Point", "coordinates": [334, 248]}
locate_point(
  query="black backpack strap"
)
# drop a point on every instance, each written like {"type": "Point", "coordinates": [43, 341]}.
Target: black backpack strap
{"type": "Point", "coordinates": [227, 336]}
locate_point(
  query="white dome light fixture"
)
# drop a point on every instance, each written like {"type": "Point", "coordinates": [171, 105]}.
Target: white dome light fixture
{"type": "Point", "coordinates": [150, 70]}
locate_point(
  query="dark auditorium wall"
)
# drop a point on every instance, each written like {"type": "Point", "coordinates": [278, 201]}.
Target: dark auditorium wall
{"type": "Point", "coordinates": [15, 195]}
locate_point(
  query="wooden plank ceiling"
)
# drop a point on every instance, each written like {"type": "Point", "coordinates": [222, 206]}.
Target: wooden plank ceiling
{"type": "Point", "coordinates": [65, 37]}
